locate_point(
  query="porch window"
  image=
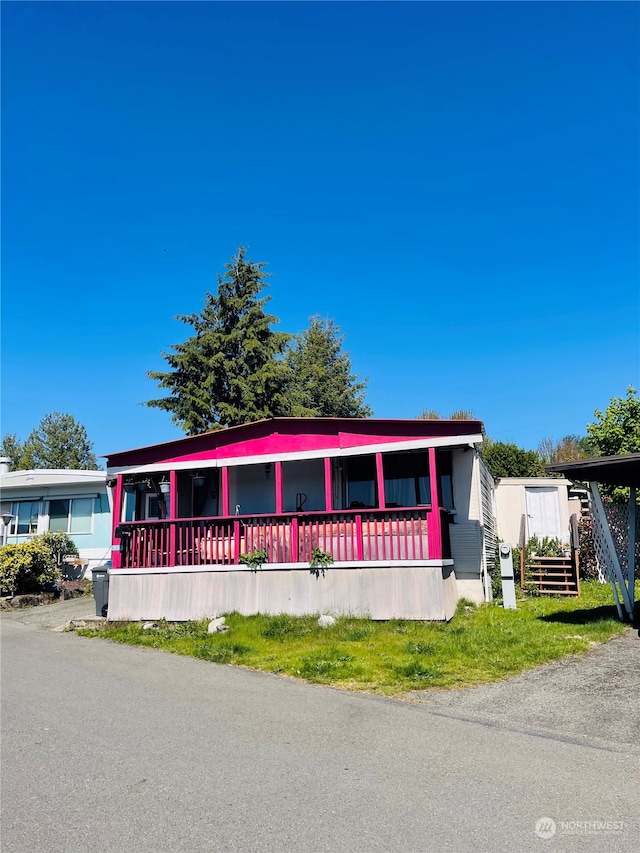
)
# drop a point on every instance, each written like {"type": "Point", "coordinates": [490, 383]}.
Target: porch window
{"type": "Point", "coordinates": [252, 488]}
{"type": "Point", "coordinates": [361, 487]}
{"type": "Point", "coordinates": [406, 479]}
{"type": "Point", "coordinates": [25, 520]}
{"type": "Point", "coordinates": [198, 493]}
{"type": "Point", "coordinates": [303, 486]}
{"type": "Point", "coordinates": [71, 515]}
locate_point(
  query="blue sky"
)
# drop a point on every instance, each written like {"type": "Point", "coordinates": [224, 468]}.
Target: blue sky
{"type": "Point", "coordinates": [456, 184]}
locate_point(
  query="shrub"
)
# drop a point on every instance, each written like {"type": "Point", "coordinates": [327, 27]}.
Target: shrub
{"type": "Point", "coordinates": [27, 567]}
{"type": "Point", "coordinates": [61, 545]}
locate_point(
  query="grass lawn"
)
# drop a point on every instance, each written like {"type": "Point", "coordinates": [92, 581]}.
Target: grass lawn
{"type": "Point", "coordinates": [479, 645]}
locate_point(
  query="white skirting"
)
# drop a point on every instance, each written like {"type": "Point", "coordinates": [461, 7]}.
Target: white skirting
{"type": "Point", "coordinates": [383, 591]}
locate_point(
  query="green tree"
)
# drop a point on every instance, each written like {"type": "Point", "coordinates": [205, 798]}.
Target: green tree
{"type": "Point", "coordinates": [568, 449]}
{"type": "Point", "coordinates": [509, 460]}
{"type": "Point", "coordinates": [321, 382]}
{"type": "Point", "coordinates": [12, 448]}
{"type": "Point", "coordinates": [58, 441]}
{"type": "Point", "coordinates": [231, 370]}
{"type": "Point", "coordinates": [617, 429]}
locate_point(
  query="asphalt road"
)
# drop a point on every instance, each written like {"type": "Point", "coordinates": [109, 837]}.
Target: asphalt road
{"type": "Point", "coordinates": [111, 748]}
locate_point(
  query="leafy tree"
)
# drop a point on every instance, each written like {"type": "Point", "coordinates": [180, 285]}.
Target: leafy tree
{"type": "Point", "coordinates": [568, 449]}
{"type": "Point", "coordinates": [231, 369]}
{"type": "Point", "coordinates": [59, 441]}
{"type": "Point", "coordinates": [509, 460]}
{"type": "Point", "coordinates": [617, 429]}
{"type": "Point", "coordinates": [321, 382]}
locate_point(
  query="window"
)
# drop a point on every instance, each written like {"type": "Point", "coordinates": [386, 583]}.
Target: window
{"type": "Point", "coordinates": [406, 479]}
{"type": "Point", "coordinates": [71, 515]}
{"type": "Point", "coordinates": [361, 481]}
{"type": "Point", "coordinates": [25, 520]}
{"type": "Point", "coordinates": [445, 466]}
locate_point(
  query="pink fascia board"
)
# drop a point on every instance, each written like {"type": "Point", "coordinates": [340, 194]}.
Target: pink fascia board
{"type": "Point", "coordinates": [292, 435]}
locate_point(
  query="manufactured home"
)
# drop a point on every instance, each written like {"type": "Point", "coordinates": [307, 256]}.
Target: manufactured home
{"type": "Point", "coordinates": [234, 520]}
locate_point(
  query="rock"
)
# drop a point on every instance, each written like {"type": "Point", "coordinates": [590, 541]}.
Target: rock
{"type": "Point", "coordinates": [149, 626]}
{"type": "Point", "coordinates": [20, 601]}
{"type": "Point", "coordinates": [222, 629]}
{"type": "Point", "coordinates": [325, 621]}
{"type": "Point", "coordinates": [216, 624]}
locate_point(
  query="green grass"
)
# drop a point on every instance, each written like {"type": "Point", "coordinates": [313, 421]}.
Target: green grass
{"type": "Point", "coordinates": [479, 645]}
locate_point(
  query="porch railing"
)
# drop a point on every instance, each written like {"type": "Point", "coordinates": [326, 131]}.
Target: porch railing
{"type": "Point", "coordinates": [348, 536]}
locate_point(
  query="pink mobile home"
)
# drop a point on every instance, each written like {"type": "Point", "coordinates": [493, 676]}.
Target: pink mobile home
{"type": "Point", "coordinates": [404, 508]}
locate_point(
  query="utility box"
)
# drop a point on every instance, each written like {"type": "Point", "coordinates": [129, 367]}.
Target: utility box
{"type": "Point", "coordinates": [508, 579]}
{"type": "Point", "coordinates": [100, 579]}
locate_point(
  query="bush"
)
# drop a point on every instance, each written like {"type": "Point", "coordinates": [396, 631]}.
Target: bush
{"type": "Point", "coordinates": [30, 566]}
{"type": "Point", "coordinates": [61, 545]}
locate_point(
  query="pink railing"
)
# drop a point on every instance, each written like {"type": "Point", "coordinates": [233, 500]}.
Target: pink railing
{"type": "Point", "coordinates": [348, 536]}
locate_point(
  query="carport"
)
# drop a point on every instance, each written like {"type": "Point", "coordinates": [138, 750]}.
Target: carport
{"type": "Point", "coordinates": [615, 525]}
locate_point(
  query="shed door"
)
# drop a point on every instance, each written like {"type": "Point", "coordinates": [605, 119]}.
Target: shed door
{"type": "Point", "coordinates": [543, 513]}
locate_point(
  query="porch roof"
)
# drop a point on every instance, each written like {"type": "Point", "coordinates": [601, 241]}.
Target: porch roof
{"type": "Point", "coordinates": [298, 436]}
{"type": "Point", "coordinates": [621, 470]}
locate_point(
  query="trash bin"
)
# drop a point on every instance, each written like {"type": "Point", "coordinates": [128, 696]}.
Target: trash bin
{"type": "Point", "coordinates": [100, 579]}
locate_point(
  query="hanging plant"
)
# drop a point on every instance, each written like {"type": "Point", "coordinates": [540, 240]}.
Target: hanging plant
{"type": "Point", "coordinates": [255, 559]}
{"type": "Point", "coordinates": [319, 561]}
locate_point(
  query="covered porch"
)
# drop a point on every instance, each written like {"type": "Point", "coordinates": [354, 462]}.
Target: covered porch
{"type": "Point", "coordinates": [235, 520]}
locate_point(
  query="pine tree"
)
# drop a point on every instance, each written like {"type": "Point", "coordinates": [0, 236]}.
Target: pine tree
{"type": "Point", "coordinates": [231, 370]}
{"type": "Point", "coordinates": [321, 382]}
{"type": "Point", "coordinates": [58, 441]}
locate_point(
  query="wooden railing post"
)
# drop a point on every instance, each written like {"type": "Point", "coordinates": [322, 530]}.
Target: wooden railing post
{"type": "Point", "coordinates": [434, 527]}
{"type": "Point", "coordinates": [236, 541]}
{"type": "Point", "coordinates": [173, 514]}
{"type": "Point", "coordinates": [294, 544]}
{"type": "Point", "coordinates": [359, 542]}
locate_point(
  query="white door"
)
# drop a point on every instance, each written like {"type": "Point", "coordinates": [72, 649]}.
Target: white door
{"type": "Point", "coordinates": [543, 513]}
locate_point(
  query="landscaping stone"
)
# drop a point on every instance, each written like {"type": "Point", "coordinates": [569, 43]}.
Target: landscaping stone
{"type": "Point", "coordinates": [217, 625]}
{"type": "Point", "coordinates": [325, 621]}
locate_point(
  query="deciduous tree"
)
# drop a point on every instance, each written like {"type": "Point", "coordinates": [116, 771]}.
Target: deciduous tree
{"type": "Point", "coordinates": [617, 429]}
{"type": "Point", "coordinates": [508, 460]}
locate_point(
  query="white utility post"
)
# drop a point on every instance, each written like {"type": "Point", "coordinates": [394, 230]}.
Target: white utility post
{"type": "Point", "coordinates": [506, 573]}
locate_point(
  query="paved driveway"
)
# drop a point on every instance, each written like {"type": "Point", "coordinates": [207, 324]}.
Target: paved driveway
{"type": "Point", "coordinates": [113, 748]}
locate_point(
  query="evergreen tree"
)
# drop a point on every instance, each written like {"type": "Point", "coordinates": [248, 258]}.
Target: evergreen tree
{"type": "Point", "coordinates": [321, 382]}
{"type": "Point", "coordinates": [13, 449]}
{"type": "Point", "coordinates": [230, 371]}
{"type": "Point", "coordinates": [59, 441]}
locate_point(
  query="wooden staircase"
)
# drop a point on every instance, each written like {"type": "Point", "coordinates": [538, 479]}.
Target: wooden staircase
{"type": "Point", "coordinates": [553, 575]}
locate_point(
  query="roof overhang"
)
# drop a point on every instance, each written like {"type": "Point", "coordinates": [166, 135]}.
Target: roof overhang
{"type": "Point", "coordinates": [623, 470]}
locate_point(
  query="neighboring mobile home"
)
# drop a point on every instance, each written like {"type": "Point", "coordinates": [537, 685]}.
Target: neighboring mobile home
{"type": "Point", "coordinates": [404, 508]}
{"type": "Point", "coordinates": [71, 501]}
